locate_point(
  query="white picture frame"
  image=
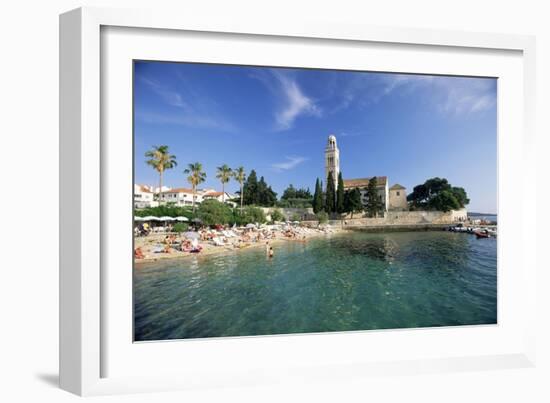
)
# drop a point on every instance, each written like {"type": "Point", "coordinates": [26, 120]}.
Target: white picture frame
{"type": "Point", "coordinates": [87, 316]}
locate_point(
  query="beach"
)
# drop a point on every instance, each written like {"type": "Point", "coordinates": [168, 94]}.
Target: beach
{"type": "Point", "coordinates": [155, 246]}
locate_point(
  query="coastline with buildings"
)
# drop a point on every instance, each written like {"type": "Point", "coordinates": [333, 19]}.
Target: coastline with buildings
{"type": "Point", "coordinates": [251, 218]}
{"type": "Point", "coordinates": [365, 204]}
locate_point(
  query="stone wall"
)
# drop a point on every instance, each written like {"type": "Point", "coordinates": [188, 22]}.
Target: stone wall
{"type": "Point", "coordinates": [390, 217]}
{"type": "Point", "coordinates": [411, 218]}
{"type": "Point", "coordinates": [287, 212]}
{"type": "Point", "coordinates": [401, 219]}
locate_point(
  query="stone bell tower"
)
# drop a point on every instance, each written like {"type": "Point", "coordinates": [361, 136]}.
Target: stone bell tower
{"type": "Point", "coordinates": [332, 160]}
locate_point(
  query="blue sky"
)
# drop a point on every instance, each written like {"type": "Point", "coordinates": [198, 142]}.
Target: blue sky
{"type": "Point", "coordinates": [276, 121]}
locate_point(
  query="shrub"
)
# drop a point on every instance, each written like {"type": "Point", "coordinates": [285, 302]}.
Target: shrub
{"type": "Point", "coordinates": [213, 212]}
{"type": "Point", "coordinates": [277, 215]}
{"type": "Point", "coordinates": [322, 217]}
{"type": "Point", "coordinates": [165, 210]}
{"type": "Point", "coordinates": [252, 215]}
{"type": "Point", "coordinates": [180, 227]}
{"type": "Point", "coordinates": [296, 217]}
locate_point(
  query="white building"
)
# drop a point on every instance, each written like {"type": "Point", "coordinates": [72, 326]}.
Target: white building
{"type": "Point", "coordinates": [219, 196]}
{"type": "Point", "coordinates": [363, 183]}
{"type": "Point", "coordinates": [332, 160]}
{"type": "Point", "coordinates": [144, 197]}
{"type": "Point", "coordinates": [181, 197]}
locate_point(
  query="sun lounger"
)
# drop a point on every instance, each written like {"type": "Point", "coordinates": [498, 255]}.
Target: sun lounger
{"type": "Point", "coordinates": [218, 242]}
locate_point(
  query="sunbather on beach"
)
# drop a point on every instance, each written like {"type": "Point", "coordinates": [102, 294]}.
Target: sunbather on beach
{"type": "Point", "coordinates": [138, 253]}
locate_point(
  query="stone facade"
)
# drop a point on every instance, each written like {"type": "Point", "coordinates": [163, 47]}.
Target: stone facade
{"type": "Point", "coordinates": [402, 219]}
{"type": "Point", "coordinates": [398, 198]}
{"type": "Point", "coordinates": [332, 165]}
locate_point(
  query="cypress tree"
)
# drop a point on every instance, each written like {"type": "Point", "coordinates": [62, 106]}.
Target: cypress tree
{"type": "Point", "coordinates": [373, 202]}
{"type": "Point", "coordinates": [330, 201]}
{"type": "Point", "coordinates": [340, 195]}
{"type": "Point", "coordinates": [318, 197]}
{"type": "Point", "coordinates": [355, 205]}
{"type": "Point", "coordinates": [250, 189]}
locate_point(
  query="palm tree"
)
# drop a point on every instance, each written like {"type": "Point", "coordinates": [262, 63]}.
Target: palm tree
{"type": "Point", "coordinates": [160, 159]}
{"type": "Point", "coordinates": [196, 177]}
{"type": "Point", "coordinates": [240, 176]}
{"type": "Point", "coordinates": [224, 175]}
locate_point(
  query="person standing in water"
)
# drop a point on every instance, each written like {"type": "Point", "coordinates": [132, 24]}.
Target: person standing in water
{"type": "Point", "coordinates": [270, 252]}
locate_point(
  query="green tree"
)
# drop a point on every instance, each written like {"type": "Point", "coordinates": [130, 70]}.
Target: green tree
{"type": "Point", "coordinates": [444, 201]}
{"type": "Point", "coordinates": [374, 205]}
{"type": "Point", "coordinates": [165, 210]}
{"type": "Point", "coordinates": [195, 178]}
{"type": "Point", "coordinates": [340, 194]}
{"type": "Point", "coordinates": [224, 174]}
{"type": "Point", "coordinates": [460, 195]}
{"type": "Point", "coordinates": [240, 176]}
{"type": "Point", "coordinates": [213, 212]}
{"type": "Point", "coordinates": [289, 193]}
{"type": "Point", "coordinates": [293, 197]}
{"type": "Point", "coordinates": [160, 159]}
{"type": "Point", "coordinates": [318, 197]}
{"type": "Point", "coordinates": [419, 196]}
{"type": "Point", "coordinates": [435, 194]}
{"type": "Point", "coordinates": [266, 196]}
{"type": "Point", "coordinates": [353, 201]}
{"type": "Point", "coordinates": [330, 197]}
{"type": "Point", "coordinates": [250, 189]}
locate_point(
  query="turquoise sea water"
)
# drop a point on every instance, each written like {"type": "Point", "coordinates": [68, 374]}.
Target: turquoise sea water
{"type": "Point", "coordinates": [356, 281]}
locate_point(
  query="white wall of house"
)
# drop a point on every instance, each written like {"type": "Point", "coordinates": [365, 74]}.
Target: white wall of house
{"type": "Point", "coordinates": [143, 197]}
{"type": "Point", "coordinates": [382, 196]}
{"type": "Point", "coordinates": [181, 197]}
{"type": "Point", "coordinates": [219, 196]}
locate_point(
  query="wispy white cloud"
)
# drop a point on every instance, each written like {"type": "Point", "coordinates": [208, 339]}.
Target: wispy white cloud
{"type": "Point", "coordinates": [448, 95]}
{"type": "Point", "coordinates": [291, 102]}
{"type": "Point", "coordinates": [289, 163]}
{"type": "Point", "coordinates": [169, 96]}
{"type": "Point", "coordinates": [200, 113]}
{"type": "Point", "coordinates": [465, 97]}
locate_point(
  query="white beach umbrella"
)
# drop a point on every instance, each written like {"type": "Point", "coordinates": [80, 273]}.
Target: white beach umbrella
{"type": "Point", "coordinates": [151, 218]}
{"type": "Point", "coordinates": [181, 218]}
{"type": "Point", "coordinates": [250, 225]}
{"type": "Point", "coordinates": [166, 218]}
{"type": "Point", "coordinates": [136, 218]}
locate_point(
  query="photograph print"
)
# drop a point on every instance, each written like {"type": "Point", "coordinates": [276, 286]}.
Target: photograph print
{"type": "Point", "coordinates": [271, 200]}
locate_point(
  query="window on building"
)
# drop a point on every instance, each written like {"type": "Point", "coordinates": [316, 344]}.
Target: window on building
{"type": "Point", "coordinates": [397, 193]}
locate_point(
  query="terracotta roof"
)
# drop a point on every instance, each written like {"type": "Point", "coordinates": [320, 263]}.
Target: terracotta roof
{"type": "Point", "coordinates": [178, 190]}
{"type": "Point", "coordinates": [213, 194]}
{"type": "Point", "coordinates": [144, 189]}
{"type": "Point", "coordinates": [397, 186]}
{"type": "Point", "coordinates": [364, 182]}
